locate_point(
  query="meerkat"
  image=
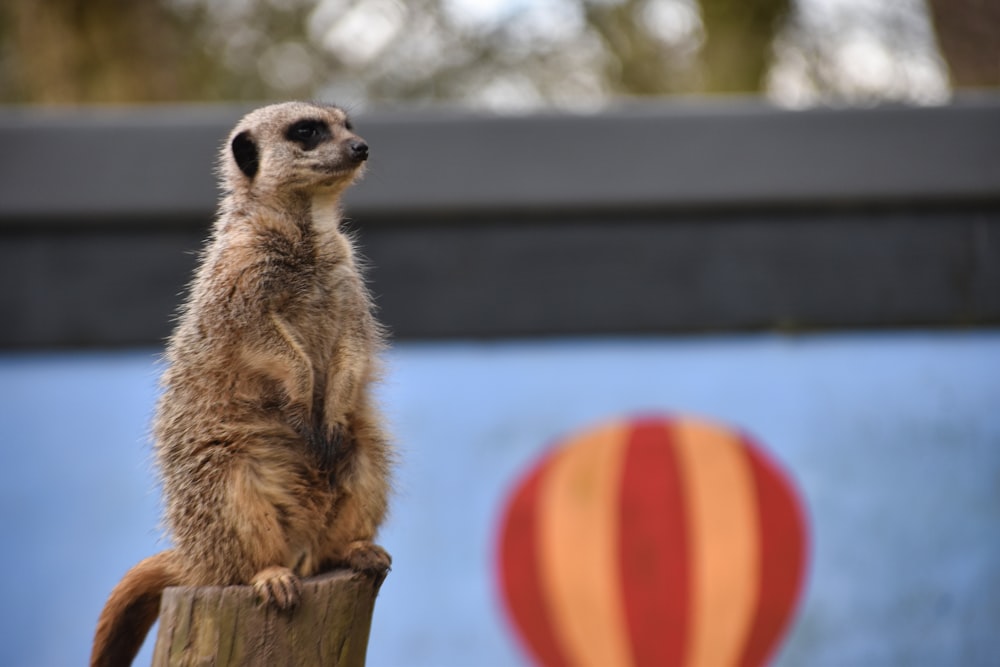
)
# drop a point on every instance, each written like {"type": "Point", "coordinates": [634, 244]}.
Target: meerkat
{"type": "Point", "coordinates": [272, 456]}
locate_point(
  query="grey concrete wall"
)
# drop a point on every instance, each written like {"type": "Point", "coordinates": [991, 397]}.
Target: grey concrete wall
{"type": "Point", "coordinates": [735, 215]}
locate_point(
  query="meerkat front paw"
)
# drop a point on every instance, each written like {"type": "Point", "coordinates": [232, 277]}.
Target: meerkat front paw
{"type": "Point", "coordinates": [368, 557]}
{"type": "Point", "coordinates": [277, 586]}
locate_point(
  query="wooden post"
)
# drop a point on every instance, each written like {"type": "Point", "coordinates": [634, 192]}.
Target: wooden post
{"type": "Point", "coordinates": [226, 626]}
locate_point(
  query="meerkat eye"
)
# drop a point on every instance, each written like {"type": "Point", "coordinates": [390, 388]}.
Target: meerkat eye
{"type": "Point", "coordinates": [308, 133]}
{"type": "Point", "coordinates": [348, 125]}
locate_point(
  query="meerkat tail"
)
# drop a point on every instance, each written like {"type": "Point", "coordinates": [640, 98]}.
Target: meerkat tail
{"type": "Point", "coordinates": [131, 610]}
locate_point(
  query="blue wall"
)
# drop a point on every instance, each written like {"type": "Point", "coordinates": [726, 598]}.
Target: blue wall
{"type": "Point", "coordinates": [893, 438]}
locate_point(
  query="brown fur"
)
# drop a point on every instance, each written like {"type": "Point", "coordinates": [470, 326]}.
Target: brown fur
{"type": "Point", "coordinates": [273, 459]}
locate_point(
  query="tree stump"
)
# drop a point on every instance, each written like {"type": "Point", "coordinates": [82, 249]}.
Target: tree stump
{"type": "Point", "coordinates": [225, 626]}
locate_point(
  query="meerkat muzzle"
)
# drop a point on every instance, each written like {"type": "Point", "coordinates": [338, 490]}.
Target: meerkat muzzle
{"type": "Point", "coordinates": [358, 150]}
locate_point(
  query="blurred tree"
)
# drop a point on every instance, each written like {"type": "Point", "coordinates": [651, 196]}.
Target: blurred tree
{"type": "Point", "coordinates": [72, 51]}
{"type": "Point", "coordinates": [968, 33]}
{"type": "Point", "coordinates": [738, 45]}
{"type": "Point", "coordinates": [522, 55]}
{"type": "Point", "coordinates": [857, 53]}
{"type": "Point", "coordinates": [86, 51]}
{"type": "Point", "coordinates": [119, 51]}
{"type": "Point", "coordinates": [638, 60]}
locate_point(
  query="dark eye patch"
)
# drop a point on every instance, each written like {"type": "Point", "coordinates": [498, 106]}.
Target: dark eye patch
{"type": "Point", "coordinates": [308, 133]}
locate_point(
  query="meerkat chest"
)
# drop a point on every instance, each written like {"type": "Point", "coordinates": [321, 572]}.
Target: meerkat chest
{"type": "Point", "coordinates": [338, 281]}
{"type": "Point", "coordinates": [337, 284]}
{"type": "Point", "coordinates": [334, 305]}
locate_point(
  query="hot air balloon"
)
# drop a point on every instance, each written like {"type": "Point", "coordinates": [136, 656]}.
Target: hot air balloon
{"type": "Point", "coordinates": [652, 541]}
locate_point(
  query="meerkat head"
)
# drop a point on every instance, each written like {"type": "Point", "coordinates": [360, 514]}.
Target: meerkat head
{"type": "Point", "coordinates": [293, 148]}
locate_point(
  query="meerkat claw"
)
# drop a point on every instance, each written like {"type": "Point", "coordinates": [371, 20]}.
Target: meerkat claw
{"type": "Point", "coordinates": [277, 586]}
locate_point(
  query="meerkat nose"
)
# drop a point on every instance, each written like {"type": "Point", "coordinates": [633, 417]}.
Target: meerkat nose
{"type": "Point", "coordinates": [359, 149]}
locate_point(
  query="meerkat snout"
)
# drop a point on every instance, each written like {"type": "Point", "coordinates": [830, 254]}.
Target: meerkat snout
{"type": "Point", "coordinates": [359, 149]}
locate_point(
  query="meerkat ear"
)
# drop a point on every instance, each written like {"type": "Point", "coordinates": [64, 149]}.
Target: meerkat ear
{"type": "Point", "coordinates": [245, 153]}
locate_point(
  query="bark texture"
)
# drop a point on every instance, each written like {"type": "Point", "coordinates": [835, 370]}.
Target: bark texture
{"type": "Point", "coordinates": [226, 626]}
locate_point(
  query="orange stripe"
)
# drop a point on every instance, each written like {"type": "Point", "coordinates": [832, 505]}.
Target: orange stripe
{"type": "Point", "coordinates": [724, 542]}
{"type": "Point", "coordinates": [578, 539]}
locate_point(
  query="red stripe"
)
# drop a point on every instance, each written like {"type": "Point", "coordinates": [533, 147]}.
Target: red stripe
{"type": "Point", "coordinates": [519, 574]}
{"type": "Point", "coordinates": [653, 546]}
{"type": "Point", "coordinates": [782, 561]}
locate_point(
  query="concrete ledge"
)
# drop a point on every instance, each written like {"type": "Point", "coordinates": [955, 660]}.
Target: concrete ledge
{"type": "Point", "coordinates": [141, 163]}
{"type": "Point", "coordinates": [653, 219]}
